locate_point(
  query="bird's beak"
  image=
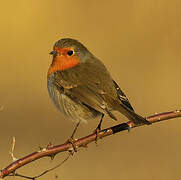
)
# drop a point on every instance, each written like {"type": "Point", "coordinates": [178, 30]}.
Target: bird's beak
{"type": "Point", "coordinates": [53, 53]}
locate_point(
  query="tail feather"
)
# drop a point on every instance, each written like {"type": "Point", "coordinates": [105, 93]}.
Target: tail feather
{"type": "Point", "coordinates": [131, 115]}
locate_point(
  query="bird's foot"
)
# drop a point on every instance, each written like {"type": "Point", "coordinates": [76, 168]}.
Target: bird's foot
{"type": "Point", "coordinates": [72, 141]}
{"type": "Point", "coordinates": [96, 131]}
{"type": "Point", "coordinates": [74, 147]}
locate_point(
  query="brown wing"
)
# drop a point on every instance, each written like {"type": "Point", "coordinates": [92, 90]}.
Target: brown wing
{"type": "Point", "coordinates": [88, 97]}
{"type": "Point", "coordinates": [92, 86]}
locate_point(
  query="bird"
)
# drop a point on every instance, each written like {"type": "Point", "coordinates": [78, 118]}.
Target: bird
{"type": "Point", "coordinates": [82, 88]}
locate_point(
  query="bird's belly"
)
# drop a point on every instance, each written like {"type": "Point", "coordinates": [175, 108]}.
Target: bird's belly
{"type": "Point", "coordinates": [72, 109]}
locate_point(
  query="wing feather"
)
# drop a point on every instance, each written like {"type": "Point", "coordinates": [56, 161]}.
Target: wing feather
{"type": "Point", "coordinates": [122, 97]}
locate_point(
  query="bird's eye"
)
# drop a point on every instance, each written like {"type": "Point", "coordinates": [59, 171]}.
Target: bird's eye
{"type": "Point", "coordinates": [70, 52]}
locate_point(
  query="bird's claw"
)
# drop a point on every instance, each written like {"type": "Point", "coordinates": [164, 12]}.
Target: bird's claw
{"type": "Point", "coordinates": [96, 131]}
{"type": "Point", "coordinates": [74, 147]}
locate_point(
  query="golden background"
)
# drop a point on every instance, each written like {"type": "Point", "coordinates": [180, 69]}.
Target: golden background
{"type": "Point", "coordinates": [138, 40]}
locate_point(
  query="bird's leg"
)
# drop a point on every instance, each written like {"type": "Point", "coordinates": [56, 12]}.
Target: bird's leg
{"type": "Point", "coordinates": [75, 129]}
{"type": "Point", "coordinates": [71, 139]}
{"type": "Point", "coordinates": [100, 123]}
{"type": "Point", "coordinates": [98, 128]}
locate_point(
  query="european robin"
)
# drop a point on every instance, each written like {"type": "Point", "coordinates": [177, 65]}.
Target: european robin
{"type": "Point", "coordinates": [81, 87]}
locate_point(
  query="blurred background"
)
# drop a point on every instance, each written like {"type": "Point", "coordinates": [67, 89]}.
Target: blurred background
{"type": "Point", "coordinates": [139, 42]}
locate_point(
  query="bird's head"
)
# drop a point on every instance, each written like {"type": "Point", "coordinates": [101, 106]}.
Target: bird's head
{"type": "Point", "coordinates": [67, 53]}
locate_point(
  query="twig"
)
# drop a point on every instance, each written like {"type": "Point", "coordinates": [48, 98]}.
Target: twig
{"type": "Point", "coordinates": [82, 142]}
{"type": "Point", "coordinates": [11, 152]}
{"type": "Point", "coordinates": [44, 172]}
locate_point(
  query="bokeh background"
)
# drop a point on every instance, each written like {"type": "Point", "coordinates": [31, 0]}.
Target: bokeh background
{"type": "Point", "coordinates": [138, 40]}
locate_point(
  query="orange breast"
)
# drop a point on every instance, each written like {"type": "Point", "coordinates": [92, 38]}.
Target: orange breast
{"type": "Point", "coordinates": [63, 62]}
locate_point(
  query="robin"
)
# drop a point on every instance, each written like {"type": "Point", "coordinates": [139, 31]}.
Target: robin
{"type": "Point", "coordinates": [81, 87]}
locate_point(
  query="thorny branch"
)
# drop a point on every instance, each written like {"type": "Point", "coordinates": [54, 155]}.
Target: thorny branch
{"type": "Point", "coordinates": [44, 172]}
{"type": "Point", "coordinates": [51, 151]}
